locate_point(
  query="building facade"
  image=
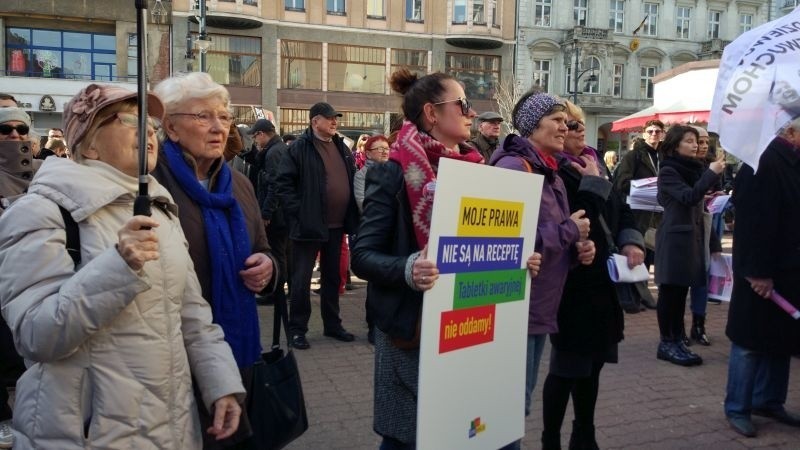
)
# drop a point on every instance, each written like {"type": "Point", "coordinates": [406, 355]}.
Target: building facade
{"type": "Point", "coordinates": [604, 53]}
{"type": "Point", "coordinates": [279, 55]}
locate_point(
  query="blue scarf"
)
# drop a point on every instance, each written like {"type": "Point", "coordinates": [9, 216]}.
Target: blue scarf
{"type": "Point", "coordinates": [232, 304]}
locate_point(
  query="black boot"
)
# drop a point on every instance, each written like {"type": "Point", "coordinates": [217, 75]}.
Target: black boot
{"type": "Point", "coordinates": [670, 350]}
{"type": "Point", "coordinates": [582, 437]}
{"type": "Point", "coordinates": [699, 330]}
{"type": "Point", "coordinates": [551, 441]}
{"type": "Point", "coordinates": [694, 358]}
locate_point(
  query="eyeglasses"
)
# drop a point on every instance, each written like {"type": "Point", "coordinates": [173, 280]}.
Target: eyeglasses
{"type": "Point", "coordinates": [22, 129]}
{"type": "Point", "coordinates": [380, 149]}
{"type": "Point", "coordinates": [654, 131]}
{"type": "Point", "coordinates": [573, 125]}
{"type": "Point", "coordinates": [205, 118]}
{"type": "Point", "coordinates": [130, 120]}
{"type": "Point", "coordinates": [465, 104]}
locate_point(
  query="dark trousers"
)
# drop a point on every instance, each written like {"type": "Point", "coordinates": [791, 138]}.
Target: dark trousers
{"type": "Point", "coordinates": [279, 247]}
{"type": "Point", "coordinates": [671, 306]}
{"type": "Point", "coordinates": [556, 394]}
{"type": "Point", "coordinates": [11, 368]}
{"type": "Point", "coordinates": [303, 258]}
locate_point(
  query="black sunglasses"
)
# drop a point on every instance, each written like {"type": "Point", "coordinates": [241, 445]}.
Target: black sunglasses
{"type": "Point", "coordinates": [22, 129]}
{"type": "Point", "coordinates": [465, 104]}
{"type": "Point", "coordinates": [573, 125]}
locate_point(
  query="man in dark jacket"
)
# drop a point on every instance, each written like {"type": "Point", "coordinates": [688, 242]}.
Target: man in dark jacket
{"type": "Point", "coordinates": [314, 185]}
{"type": "Point", "coordinates": [271, 151]}
{"type": "Point", "coordinates": [766, 256]}
{"type": "Point", "coordinates": [642, 162]}
{"type": "Point", "coordinates": [488, 134]}
{"type": "Point", "coordinates": [262, 132]}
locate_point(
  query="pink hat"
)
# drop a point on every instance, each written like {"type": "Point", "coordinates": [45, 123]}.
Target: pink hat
{"type": "Point", "coordinates": [82, 109]}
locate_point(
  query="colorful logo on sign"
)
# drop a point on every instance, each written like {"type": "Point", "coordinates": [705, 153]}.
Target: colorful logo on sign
{"type": "Point", "coordinates": [475, 427]}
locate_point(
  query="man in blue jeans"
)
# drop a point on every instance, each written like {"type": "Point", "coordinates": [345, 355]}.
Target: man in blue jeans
{"type": "Point", "coordinates": [766, 260]}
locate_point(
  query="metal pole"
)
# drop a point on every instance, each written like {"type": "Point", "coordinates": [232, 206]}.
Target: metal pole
{"type": "Point", "coordinates": [141, 205]}
{"type": "Point", "coordinates": [203, 34]}
{"type": "Point", "coordinates": [575, 74]}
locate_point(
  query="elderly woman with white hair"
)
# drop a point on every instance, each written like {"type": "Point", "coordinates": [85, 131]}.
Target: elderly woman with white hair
{"type": "Point", "coordinates": [114, 332]}
{"type": "Point", "coordinates": [219, 214]}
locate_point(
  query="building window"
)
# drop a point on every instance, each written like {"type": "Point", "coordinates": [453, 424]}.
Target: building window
{"type": "Point", "coordinates": [745, 23]}
{"type": "Point", "coordinates": [363, 120]}
{"type": "Point", "coordinates": [234, 60]}
{"type": "Point", "coordinates": [479, 73]}
{"type": "Point", "coordinates": [616, 19]}
{"type": "Point", "coordinates": [646, 81]}
{"type": "Point", "coordinates": [478, 12]}
{"type": "Point", "coordinates": [588, 77]}
{"type": "Point", "coordinates": [541, 74]}
{"type": "Point", "coordinates": [714, 20]}
{"type": "Point", "coordinates": [543, 8]}
{"type": "Point", "coordinates": [375, 9]}
{"type": "Point", "coordinates": [619, 70]}
{"type": "Point", "coordinates": [494, 13]}
{"type": "Point", "coordinates": [651, 25]}
{"type": "Point", "coordinates": [293, 120]}
{"type": "Point", "coordinates": [336, 7]}
{"type": "Point", "coordinates": [33, 52]}
{"type": "Point", "coordinates": [295, 5]}
{"type": "Point", "coordinates": [133, 56]}
{"type": "Point", "coordinates": [356, 69]}
{"type": "Point", "coordinates": [301, 65]}
{"type": "Point", "coordinates": [460, 11]}
{"type": "Point", "coordinates": [579, 11]}
{"type": "Point", "coordinates": [683, 16]}
{"type": "Point", "coordinates": [250, 2]}
{"type": "Point", "coordinates": [414, 10]}
{"type": "Point", "coordinates": [414, 60]}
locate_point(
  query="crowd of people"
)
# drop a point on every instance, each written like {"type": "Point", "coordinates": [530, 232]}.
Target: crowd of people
{"type": "Point", "coordinates": [86, 286]}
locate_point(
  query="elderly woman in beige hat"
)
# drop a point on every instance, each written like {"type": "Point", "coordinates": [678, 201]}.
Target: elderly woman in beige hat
{"type": "Point", "coordinates": [113, 335]}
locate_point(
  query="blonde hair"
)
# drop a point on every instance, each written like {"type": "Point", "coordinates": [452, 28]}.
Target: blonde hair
{"type": "Point", "coordinates": [574, 111]}
{"type": "Point", "coordinates": [188, 86]}
{"type": "Point", "coordinates": [609, 157]}
{"type": "Point", "coordinates": [87, 142]}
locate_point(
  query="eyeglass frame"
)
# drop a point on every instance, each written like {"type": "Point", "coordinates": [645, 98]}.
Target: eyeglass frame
{"type": "Point", "coordinates": [205, 121]}
{"type": "Point", "coordinates": [654, 131]}
{"type": "Point", "coordinates": [465, 104]}
{"type": "Point", "coordinates": [12, 128]}
{"type": "Point", "coordinates": [380, 149]}
{"type": "Point", "coordinates": [151, 121]}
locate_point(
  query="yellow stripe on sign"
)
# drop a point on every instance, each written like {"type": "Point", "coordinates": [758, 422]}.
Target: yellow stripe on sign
{"type": "Point", "coordinates": [487, 217]}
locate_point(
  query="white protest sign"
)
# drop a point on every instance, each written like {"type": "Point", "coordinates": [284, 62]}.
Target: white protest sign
{"type": "Point", "coordinates": [475, 319]}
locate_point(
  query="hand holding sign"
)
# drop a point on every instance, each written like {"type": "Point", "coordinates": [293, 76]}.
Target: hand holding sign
{"type": "Point", "coordinates": [534, 264]}
{"type": "Point", "coordinates": [719, 165]}
{"type": "Point", "coordinates": [579, 217]}
{"type": "Point", "coordinates": [424, 272]}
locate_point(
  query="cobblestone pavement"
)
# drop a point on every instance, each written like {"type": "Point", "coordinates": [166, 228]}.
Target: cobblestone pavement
{"type": "Point", "coordinates": [644, 403]}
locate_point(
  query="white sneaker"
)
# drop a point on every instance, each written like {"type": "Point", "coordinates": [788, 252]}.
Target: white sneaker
{"type": "Point", "coordinates": [6, 436]}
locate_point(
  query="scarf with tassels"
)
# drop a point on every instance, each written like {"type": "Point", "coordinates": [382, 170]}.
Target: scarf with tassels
{"type": "Point", "coordinates": [232, 304]}
{"type": "Point", "coordinates": [418, 154]}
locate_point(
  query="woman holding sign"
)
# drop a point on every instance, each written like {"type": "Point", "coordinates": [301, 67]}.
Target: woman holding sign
{"type": "Point", "coordinates": [392, 242]}
{"type": "Point", "coordinates": [561, 238]}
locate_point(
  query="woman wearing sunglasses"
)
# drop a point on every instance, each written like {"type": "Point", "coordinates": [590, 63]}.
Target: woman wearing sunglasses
{"type": "Point", "coordinates": [116, 341]}
{"type": "Point", "coordinates": [391, 249]}
{"type": "Point", "coordinates": [561, 238]}
{"type": "Point", "coordinates": [590, 320]}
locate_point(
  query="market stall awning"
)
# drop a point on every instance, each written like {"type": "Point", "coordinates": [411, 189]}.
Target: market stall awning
{"type": "Point", "coordinates": [678, 112]}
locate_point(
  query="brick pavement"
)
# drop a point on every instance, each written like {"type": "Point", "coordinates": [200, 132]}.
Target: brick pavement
{"type": "Point", "coordinates": [644, 403]}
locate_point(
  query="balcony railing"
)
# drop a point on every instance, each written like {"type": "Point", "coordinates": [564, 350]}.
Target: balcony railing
{"type": "Point", "coordinates": [587, 34]}
{"type": "Point", "coordinates": [714, 45]}
{"type": "Point", "coordinates": [790, 4]}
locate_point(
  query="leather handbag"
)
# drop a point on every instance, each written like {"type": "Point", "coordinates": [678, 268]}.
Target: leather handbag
{"type": "Point", "coordinates": [276, 406]}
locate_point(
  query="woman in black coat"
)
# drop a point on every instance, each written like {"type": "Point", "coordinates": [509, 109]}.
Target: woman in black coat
{"type": "Point", "coordinates": [680, 239]}
{"type": "Point", "coordinates": [590, 319]}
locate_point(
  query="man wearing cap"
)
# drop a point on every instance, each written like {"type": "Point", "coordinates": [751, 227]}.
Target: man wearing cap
{"type": "Point", "coordinates": [488, 134]}
{"type": "Point", "coordinates": [16, 171]}
{"type": "Point", "coordinates": [264, 157]}
{"type": "Point", "coordinates": [314, 184]}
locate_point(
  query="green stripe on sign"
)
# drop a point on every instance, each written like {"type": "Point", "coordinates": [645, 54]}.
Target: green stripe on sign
{"type": "Point", "coordinates": [489, 288]}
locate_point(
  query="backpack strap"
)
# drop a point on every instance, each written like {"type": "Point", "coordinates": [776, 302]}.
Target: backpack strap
{"type": "Point", "coordinates": [73, 236]}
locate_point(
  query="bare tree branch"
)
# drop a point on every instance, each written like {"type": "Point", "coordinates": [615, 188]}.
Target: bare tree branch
{"type": "Point", "coordinates": [506, 95]}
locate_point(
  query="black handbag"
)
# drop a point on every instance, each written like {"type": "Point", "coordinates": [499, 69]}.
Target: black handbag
{"type": "Point", "coordinates": [276, 406]}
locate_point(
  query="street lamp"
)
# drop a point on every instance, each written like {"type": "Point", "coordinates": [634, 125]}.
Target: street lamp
{"type": "Point", "coordinates": [203, 41]}
{"type": "Point", "coordinates": [577, 74]}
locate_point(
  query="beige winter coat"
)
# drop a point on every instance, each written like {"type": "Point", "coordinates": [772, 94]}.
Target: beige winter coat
{"type": "Point", "coordinates": [110, 351]}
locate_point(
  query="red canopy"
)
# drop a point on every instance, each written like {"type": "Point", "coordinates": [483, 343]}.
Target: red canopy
{"type": "Point", "coordinates": [676, 113]}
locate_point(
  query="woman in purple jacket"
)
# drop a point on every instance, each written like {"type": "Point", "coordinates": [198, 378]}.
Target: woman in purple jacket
{"type": "Point", "coordinates": [561, 238]}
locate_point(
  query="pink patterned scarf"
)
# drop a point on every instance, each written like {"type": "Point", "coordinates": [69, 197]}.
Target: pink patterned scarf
{"type": "Point", "coordinates": [418, 154]}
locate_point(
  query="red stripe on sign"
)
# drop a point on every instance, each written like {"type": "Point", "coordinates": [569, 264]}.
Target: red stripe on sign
{"type": "Point", "coordinates": [462, 328]}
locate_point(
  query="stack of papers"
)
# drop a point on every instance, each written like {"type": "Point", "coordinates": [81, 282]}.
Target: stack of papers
{"type": "Point", "coordinates": [643, 195]}
{"type": "Point", "coordinates": [717, 204]}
